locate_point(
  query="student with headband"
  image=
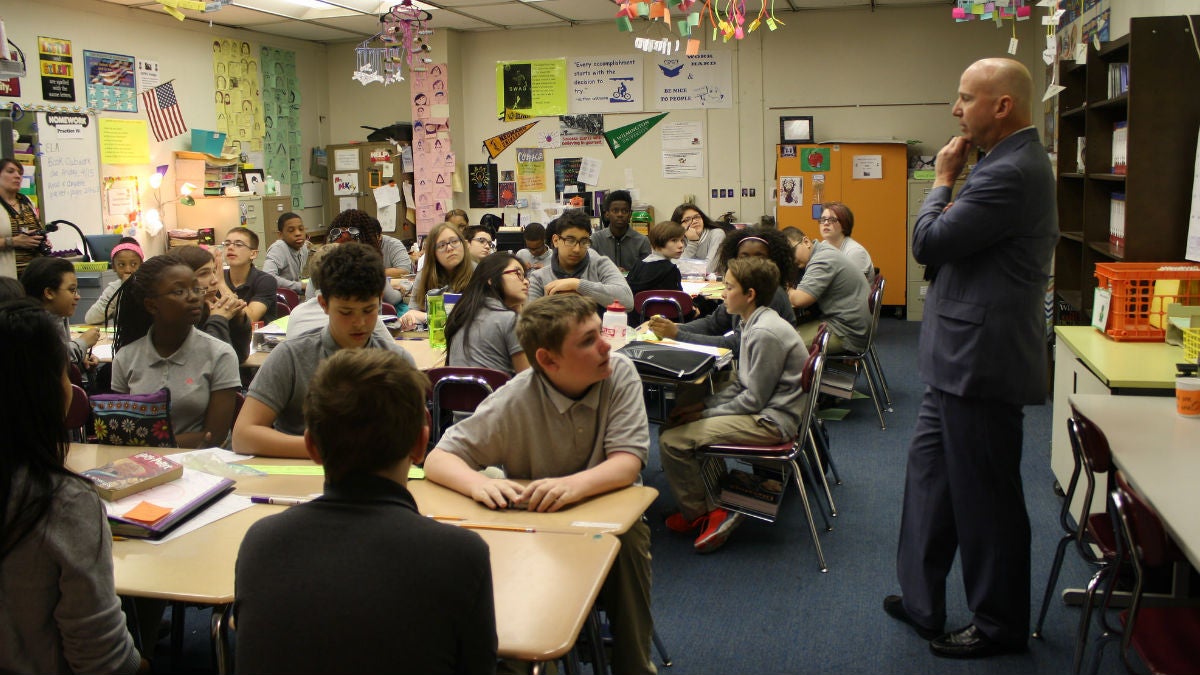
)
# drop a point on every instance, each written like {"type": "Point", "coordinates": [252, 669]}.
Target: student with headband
{"type": "Point", "coordinates": [126, 257]}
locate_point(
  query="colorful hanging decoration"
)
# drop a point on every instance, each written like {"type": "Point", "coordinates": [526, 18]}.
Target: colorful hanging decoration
{"type": "Point", "coordinates": [728, 19]}
{"type": "Point", "coordinates": [403, 36]}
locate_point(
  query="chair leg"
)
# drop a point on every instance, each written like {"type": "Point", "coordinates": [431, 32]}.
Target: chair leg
{"type": "Point", "coordinates": [599, 661]}
{"type": "Point", "coordinates": [178, 613]}
{"type": "Point", "coordinates": [220, 638]}
{"type": "Point", "coordinates": [1085, 617]}
{"type": "Point", "coordinates": [812, 525]}
{"type": "Point", "coordinates": [874, 357]}
{"type": "Point", "coordinates": [809, 475]}
{"type": "Point", "coordinates": [662, 650]}
{"type": "Point", "coordinates": [875, 398]}
{"type": "Point", "coordinates": [1051, 583]}
{"type": "Point", "coordinates": [820, 471]}
{"type": "Point", "coordinates": [816, 433]}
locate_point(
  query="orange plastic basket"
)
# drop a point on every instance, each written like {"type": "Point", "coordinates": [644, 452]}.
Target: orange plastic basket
{"type": "Point", "coordinates": [1141, 293]}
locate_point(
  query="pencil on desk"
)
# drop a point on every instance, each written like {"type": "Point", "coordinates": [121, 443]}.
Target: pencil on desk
{"type": "Point", "coordinates": [498, 528]}
{"type": "Point", "coordinates": [445, 517]}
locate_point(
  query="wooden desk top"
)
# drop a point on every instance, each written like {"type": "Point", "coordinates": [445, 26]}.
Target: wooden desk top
{"type": "Point", "coordinates": [1130, 365]}
{"type": "Point", "coordinates": [1158, 451]}
{"type": "Point", "coordinates": [569, 556]}
{"type": "Point", "coordinates": [426, 357]}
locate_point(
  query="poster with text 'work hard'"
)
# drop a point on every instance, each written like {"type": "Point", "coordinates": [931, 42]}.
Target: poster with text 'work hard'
{"type": "Point", "coordinates": [527, 89]}
{"type": "Point", "coordinates": [692, 82]}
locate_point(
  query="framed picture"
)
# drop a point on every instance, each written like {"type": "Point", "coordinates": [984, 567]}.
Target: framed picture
{"type": "Point", "coordinates": [794, 130]}
{"type": "Point", "coordinates": [255, 180]}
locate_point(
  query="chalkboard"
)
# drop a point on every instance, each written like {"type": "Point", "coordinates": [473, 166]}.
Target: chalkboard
{"type": "Point", "coordinates": [69, 172]}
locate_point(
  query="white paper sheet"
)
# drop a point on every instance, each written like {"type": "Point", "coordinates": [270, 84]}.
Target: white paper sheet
{"type": "Point", "coordinates": [589, 170]}
{"type": "Point", "coordinates": [386, 195]}
{"type": "Point", "coordinates": [867, 167]}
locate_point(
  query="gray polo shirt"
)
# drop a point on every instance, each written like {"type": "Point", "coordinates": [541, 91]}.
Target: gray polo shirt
{"type": "Point", "coordinates": [859, 256]}
{"type": "Point", "coordinates": [841, 290]}
{"type": "Point", "coordinates": [308, 316]}
{"type": "Point", "coordinates": [492, 335]}
{"type": "Point", "coordinates": [625, 251]}
{"type": "Point", "coordinates": [526, 256]}
{"type": "Point", "coordinates": [395, 255]}
{"type": "Point", "coordinates": [202, 365]}
{"type": "Point", "coordinates": [600, 280]}
{"type": "Point", "coordinates": [534, 431]}
{"type": "Point", "coordinates": [282, 382]}
{"type": "Point", "coordinates": [286, 264]}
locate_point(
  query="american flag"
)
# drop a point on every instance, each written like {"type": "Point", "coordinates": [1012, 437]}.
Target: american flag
{"type": "Point", "coordinates": [166, 120]}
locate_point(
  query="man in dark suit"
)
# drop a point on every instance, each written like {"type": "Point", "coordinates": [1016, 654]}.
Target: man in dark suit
{"type": "Point", "coordinates": [983, 357]}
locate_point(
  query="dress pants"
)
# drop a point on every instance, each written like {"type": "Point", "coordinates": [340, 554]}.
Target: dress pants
{"type": "Point", "coordinates": [963, 492]}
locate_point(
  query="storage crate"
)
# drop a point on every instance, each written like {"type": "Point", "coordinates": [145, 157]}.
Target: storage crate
{"type": "Point", "coordinates": [1141, 293]}
{"type": "Point", "coordinates": [1191, 344]}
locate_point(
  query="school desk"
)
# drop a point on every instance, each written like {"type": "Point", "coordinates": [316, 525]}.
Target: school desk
{"type": "Point", "coordinates": [426, 357]}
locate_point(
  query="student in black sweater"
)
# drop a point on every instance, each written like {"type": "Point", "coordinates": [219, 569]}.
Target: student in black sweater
{"type": "Point", "coordinates": [658, 270]}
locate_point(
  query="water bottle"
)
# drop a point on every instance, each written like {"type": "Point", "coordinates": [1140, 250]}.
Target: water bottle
{"type": "Point", "coordinates": [615, 327]}
{"type": "Point", "coordinates": [435, 309]}
{"type": "Point", "coordinates": [269, 186]}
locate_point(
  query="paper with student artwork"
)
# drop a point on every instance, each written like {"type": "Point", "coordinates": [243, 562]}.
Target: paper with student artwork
{"type": "Point", "coordinates": [104, 352]}
{"type": "Point", "coordinates": [683, 164]}
{"type": "Point", "coordinates": [386, 195]}
{"type": "Point", "coordinates": [386, 215]}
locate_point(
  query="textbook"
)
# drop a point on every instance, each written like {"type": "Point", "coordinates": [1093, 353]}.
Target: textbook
{"type": "Point", "coordinates": [754, 491]}
{"type": "Point", "coordinates": [130, 475]}
{"type": "Point", "coordinates": [155, 512]}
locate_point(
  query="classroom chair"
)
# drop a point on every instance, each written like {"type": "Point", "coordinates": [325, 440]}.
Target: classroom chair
{"type": "Point", "coordinates": [387, 309]}
{"type": "Point", "coordinates": [673, 305]}
{"type": "Point", "coordinates": [78, 414]}
{"type": "Point", "coordinates": [1166, 638]}
{"type": "Point", "coordinates": [845, 368]}
{"type": "Point", "coordinates": [790, 458]}
{"type": "Point", "coordinates": [1092, 456]}
{"type": "Point", "coordinates": [818, 441]}
{"type": "Point", "coordinates": [459, 389]}
{"type": "Point", "coordinates": [282, 310]}
{"type": "Point", "coordinates": [288, 297]}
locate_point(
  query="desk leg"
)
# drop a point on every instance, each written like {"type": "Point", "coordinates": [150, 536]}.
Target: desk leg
{"type": "Point", "coordinates": [599, 662]}
{"type": "Point", "coordinates": [220, 638]}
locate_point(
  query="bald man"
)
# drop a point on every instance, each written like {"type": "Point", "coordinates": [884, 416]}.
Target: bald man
{"type": "Point", "coordinates": [982, 357]}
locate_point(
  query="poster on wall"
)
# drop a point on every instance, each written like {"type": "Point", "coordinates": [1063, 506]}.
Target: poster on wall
{"type": "Point", "coordinates": [345, 184]}
{"type": "Point", "coordinates": [601, 84]}
{"type": "Point", "coordinates": [482, 185]}
{"type": "Point", "coordinates": [281, 108]}
{"type": "Point", "coordinates": [431, 156]}
{"type": "Point", "coordinates": [11, 86]}
{"type": "Point", "coordinates": [124, 141]}
{"type": "Point", "coordinates": [531, 170]}
{"type": "Point", "coordinates": [147, 75]}
{"type": "Point", "coordinates": [57, 68]}
{"type": "Point", "coordinates": [527, 89]}
{"type": "Point", "coordinates": [693, 82]}
{"type": "Point", "coordinates": [239, 103]}
{"type": "Point", "coordinates": [791, 191]}
{"type": "Point", "coordinates": [111, 84]}
{"type": "Point", "coordinates": [70, 171]}
{"type": "Point", "coordinates": [578, 130]}
{"type": "Point", "coordinates": [566, 176]}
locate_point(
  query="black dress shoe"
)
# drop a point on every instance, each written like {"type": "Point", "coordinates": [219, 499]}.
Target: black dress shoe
{"type": "Point", "coordinates": [971, 643]}
{"type": "Point", "coordinates": [894, 606]}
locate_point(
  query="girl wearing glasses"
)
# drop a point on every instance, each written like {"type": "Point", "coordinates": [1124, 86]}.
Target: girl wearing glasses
{"type": "Point", "coordinates": [447, 265]}
{"type": "Point", "coordinates": [837, 222]}
{"type": "Point", "coordinates": [703, 236]}
{"type": "Point", "coordinates": [157, 344]}
{"type": "Point", "coordinates": [481, 331]}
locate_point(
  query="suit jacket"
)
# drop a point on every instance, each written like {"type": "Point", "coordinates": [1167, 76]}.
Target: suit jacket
{"type": "Point", "coordinates": [984, 330]}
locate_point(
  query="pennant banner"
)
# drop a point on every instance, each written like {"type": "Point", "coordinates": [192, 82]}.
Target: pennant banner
{"type": "Point", "coordinates": [496, 144]}
{"type": "Point", "coordinates": [620, 139]}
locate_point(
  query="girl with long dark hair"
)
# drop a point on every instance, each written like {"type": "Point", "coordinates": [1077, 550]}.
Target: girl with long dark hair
{"type": "Point", "coordinates": [481, 331]}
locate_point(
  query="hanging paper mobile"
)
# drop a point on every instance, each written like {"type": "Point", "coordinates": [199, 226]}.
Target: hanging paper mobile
{"type": "Point", "coordinates": [403, 35]}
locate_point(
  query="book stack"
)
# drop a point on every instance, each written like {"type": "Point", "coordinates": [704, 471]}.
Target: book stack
{"type": "Point", "coordinates": [1116, 222]}
{"type": "Point", "coordinates": [761, 491]}
{"type": "Point", "coordinates": [1120, 147]}
{"type": "Point", "coordinates": [1118, 79]}
{"type": "Point", "coordinates": [131, 475]}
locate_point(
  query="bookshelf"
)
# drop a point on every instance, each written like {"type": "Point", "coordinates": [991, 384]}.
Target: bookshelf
{"type": "Point", "coordinates": [1162, 112]}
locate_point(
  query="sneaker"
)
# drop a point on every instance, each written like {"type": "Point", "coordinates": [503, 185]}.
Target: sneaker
{"type": "Point", "coordinates": [718, 525]}
{"type": "Point", "coordinates": [677, 523]}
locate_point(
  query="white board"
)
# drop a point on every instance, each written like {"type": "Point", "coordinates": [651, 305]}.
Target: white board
{"type": "Point", "coordinates": [69, 165]}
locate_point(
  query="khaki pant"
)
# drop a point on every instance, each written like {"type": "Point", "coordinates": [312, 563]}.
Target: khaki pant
{"type": "Point", "coordinates": [808, 333]}
{"type": "Point", "coordinates": [685, 471]}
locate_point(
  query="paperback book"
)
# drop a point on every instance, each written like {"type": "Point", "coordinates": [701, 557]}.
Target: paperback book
{"type": "Point", "coordinates": [155, 512]}
{"type": "Point", "coordinates": [760, 492]}
{"type": "Point", "coordinates": [130, 475]}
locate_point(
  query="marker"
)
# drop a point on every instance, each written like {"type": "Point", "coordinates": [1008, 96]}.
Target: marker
{"type": "Point", "coordinates": [280, 501]}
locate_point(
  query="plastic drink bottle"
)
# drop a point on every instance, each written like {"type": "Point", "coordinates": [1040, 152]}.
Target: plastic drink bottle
{"type": "Point", "coordinates": [615, 327]}
{"type": "Point", "coordinates": [435, 309]}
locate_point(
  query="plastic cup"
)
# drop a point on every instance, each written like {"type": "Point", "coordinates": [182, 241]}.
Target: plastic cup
{"type": "Point", "coordinates": [1187, 396]}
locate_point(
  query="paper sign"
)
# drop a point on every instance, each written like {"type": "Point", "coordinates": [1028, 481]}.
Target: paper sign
{"type": "Point", "coordinates": [867, 167]}
{"type": "Point", "coordinates": [345, 160]}
{"type": "Point", "coordinates": [1012, 46]}
{"type": "Point", "coordinates": [589, 171]}
{"type": "Point", "coordinates": [345, 184]}
{"type": "Point", "coordinates": [124, 141]}
{"type": "Point", "coordinates": [387, 217]}
{"type": "Point", "coordinates": [387, 195]}
{"type": "Point", "coordinates": [1100, 307]}
{"type": "Point", "coordinates": [347, 203]}
{"type": "Point", "coordinates": [1052, 91]}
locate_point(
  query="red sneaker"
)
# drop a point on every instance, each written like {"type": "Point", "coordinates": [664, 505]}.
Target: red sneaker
{"type": "Point", "coordinates": [676, 523]}
{"type": "Point", "coordinates": [719, 524]}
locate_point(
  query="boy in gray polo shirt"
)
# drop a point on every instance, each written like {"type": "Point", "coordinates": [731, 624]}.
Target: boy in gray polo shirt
{"type": "Point", "coordinates": [590, 401]}
{"type": "Point", "coordinates": [832, 280]}
{"type": "Point", "coordinates": [271, 422]}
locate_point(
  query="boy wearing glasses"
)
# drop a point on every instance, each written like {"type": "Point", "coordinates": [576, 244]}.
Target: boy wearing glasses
{"type": "Point", "coordinates": [832, 280]}
{"type": "Point", "coordinates": [619, 242]}
{"type": "Point", "coordinates": [271, 422]}
{"type": "Point", "coordinates": [253, 286]}
{"type": "Point", "coordinates": [589, 401]}
{"type": "Point", "coordinates": [576, 269]}
{"type": "Point", "coordinates": [480, 241]}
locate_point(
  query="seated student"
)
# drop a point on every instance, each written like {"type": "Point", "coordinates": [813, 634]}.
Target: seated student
{"type": "Point", "coordinates": [52, 282]}
{"type": "Point", "coordinates": [575, 384]}
{"type": "Point", "coordinates": [415, 591]}
{"type": "Point", "coordinates": [309, 315]}
{"type": "Point", "coordinates": [536, 253]}
{"type": "Point", "coordinates": [837, 222]}
{"type": "Point", "coordinates": [704, 235]}
{"type": "Point", "coordinates": [59, 611]}
{"type": "Point", "coordinates": [481, 241]}
{"type": "Point", "coordinates": [396, 263]}
{"type": "Point", "coordinates": [575, 269]}
{"type": "Point", "coordinates": [126, 256]}
{"type": "Point", "coordinates": [458, 218]}
{"type": "Point", "coordinates": [659, 271]}
{"type": "Point", "coordinates": [447, 266]}
{"type": "Point", "coordinates": [722, 328]}
{"type": "Point", "coordinates": [759, 407]}
{"type": "Point", "coordinates": [831, 279]}
{"type": "Point", "coordinates": [255, 287]}
{"type": "Point", "coordinates": [224, 316]}
{"type": "Point", "coordinates": [481, 331]}
{"type": "Point", "coordinates": [287, 257]}
{"type": "Point", "coordinates": [271, 422]}
{"type": "Point", "coordinates": [619, 242]}
{"type": "Point", "coordinates": [157, 344]}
